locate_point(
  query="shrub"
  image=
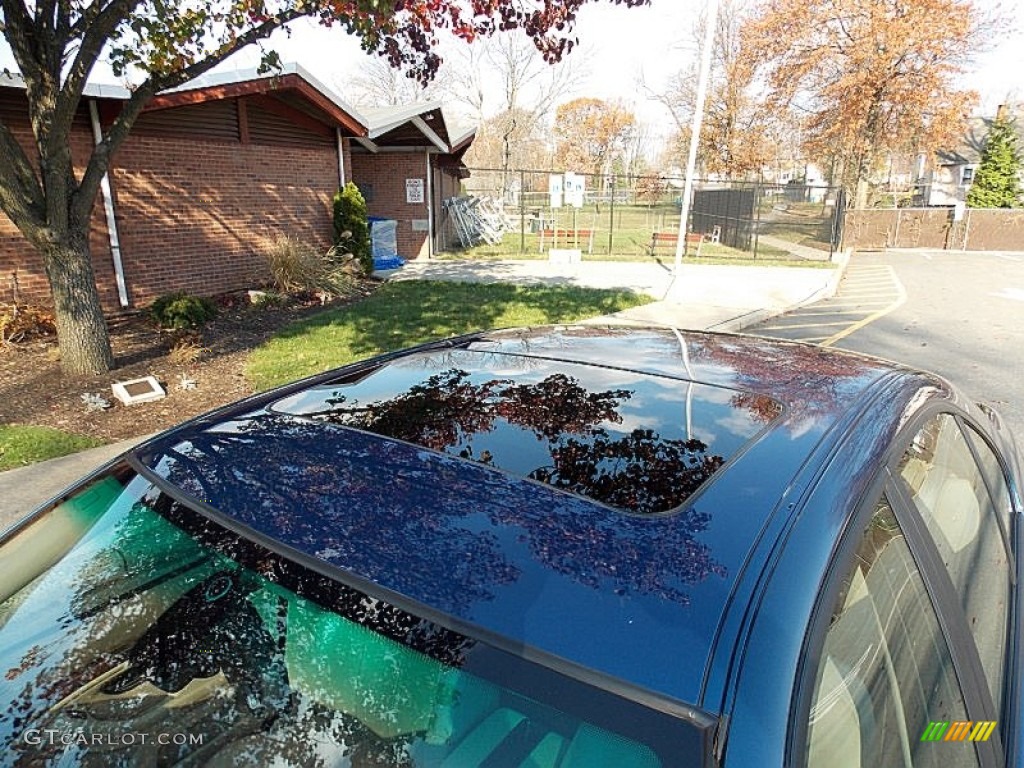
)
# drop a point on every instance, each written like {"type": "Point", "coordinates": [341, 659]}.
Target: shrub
{"type": "Point", "coordinates": [296, 267]}
{"type": "Point", "coordinates": [186, 352]}
{"type": "Point", "coordinates": [20, 321]}
{"type": "Point", "coordinates": [351, 227]}
{"type": "Point", "coordinates": [179, 311]}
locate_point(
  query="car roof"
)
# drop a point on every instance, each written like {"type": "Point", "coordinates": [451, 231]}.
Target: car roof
{"type": "Point", "coordinates": [628, 597]}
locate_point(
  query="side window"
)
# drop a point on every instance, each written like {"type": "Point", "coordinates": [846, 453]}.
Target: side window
{"type": "Point", "coordinates": [993, 471]}
{"type": "Point", "coordinates": [951, 494]}
{"type": "Point", "coordinates": [885, 672]}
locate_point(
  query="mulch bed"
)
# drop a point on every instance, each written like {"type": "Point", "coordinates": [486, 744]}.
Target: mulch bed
{"type": "Point", "coordinates": [34, 391]}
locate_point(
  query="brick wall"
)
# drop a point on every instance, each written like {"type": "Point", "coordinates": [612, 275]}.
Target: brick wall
{"type": "Point", "coordinates": [386, 173]}
{"type": "Point", "coordinates": [19, 262]}
{"type": "Point", "coordinates": [193, 213]}
{"type": "Point", "coordinates": [197, 217]}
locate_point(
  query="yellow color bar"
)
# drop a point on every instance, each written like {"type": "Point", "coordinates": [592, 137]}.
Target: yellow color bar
{"type": "Point", "coordinates": [983, 730]}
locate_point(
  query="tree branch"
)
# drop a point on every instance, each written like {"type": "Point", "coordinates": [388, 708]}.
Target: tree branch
{"type": "Point", "coordinates": [22, 198]}
{"type": "Point", "coordinates": [44, 14]}
{"type": "Point", "coordinates": [62, 27]}
{"type": "Point", "coordinates": [18, 31]}
{"type": "Point", "coordinates": [101, 27]}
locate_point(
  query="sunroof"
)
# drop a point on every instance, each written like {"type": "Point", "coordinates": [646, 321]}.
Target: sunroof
{"type": "Point", "coordinates": [637, 442]}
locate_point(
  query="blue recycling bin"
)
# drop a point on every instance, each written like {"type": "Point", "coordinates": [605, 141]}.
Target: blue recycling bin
{"type": "Point", "coordinates": [384, 243]}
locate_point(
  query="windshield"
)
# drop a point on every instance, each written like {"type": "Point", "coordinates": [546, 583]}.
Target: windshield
{"type": "Point", "coordinates": [131, 626]}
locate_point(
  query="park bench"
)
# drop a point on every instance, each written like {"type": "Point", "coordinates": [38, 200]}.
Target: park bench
{"type": "Point", "coordinates": [565, 238]}
{"type": "Point", "coordinates": [671, 239]}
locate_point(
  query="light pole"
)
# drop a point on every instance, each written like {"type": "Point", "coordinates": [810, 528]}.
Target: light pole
{"type": "Point", "coordinates": [698, 118]}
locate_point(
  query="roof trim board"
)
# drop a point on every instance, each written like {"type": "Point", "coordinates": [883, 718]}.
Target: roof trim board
{"type": "Point", "coordinates": [368, 144]}
{"type": "Point", "coordinates": [429, 133]}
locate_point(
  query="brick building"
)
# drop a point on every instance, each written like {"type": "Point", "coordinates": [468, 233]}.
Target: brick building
{"type": "Point", "coordinates": [212, 172]}
{"type": "Point", "coordinates": [410, 160]}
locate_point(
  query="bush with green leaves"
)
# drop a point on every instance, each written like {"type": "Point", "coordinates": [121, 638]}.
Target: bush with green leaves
{"type": "Point", "coordinates": [181, 311]}
{"type": "Point", "coordinates": [297, 267]}
{"type": "Point", "coordinates": [351, 226]}
{"type": "Point", "coordinates": [996, 183]}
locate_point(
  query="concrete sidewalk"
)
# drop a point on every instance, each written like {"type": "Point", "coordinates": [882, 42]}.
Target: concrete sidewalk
{"type": "Point", "coordinates": [700, 297]}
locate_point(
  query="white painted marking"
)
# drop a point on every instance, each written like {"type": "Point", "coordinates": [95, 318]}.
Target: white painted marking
{"type": "Point", "coordinates": [782, 327]}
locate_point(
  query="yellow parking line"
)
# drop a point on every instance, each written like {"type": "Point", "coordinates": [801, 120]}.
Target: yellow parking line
{"type": "Point", "coordinates": [802, 325]}
{"type": "Point", "coordinates": [861, 311]}
{"type": "Point", "coordinates": [901, 297]}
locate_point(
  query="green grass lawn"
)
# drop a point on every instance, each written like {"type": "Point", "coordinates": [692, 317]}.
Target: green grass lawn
{"type": "Point", "coordinates": [22, 444]}
{"type": "Point", "coordinates": [404, 313]}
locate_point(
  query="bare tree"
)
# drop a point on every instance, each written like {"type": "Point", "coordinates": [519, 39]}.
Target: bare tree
{"type": "Point", "coordinates": [636, 145]}
{"type": "Point", "coordinates": [739, 135]}
{"type": "Point", "coordinates": [512, 90]}
{"type": "Point", "coordinates": [379, 84]}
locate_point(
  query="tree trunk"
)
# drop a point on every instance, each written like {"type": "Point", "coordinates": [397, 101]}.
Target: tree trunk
{"type": "Point", "coordinates": [81, 328]}
{"type": "Point", "coordinates": [863, 191]}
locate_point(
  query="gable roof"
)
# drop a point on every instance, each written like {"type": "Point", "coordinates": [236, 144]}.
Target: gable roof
{"type": "Point", "coordinates": [411, 125]}
{"type": "Point", "coordinates": [290, 78]}
{"type": "Point", "coordinates": [967, 151]}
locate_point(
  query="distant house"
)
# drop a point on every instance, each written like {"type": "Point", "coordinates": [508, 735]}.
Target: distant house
{"type": "Point", "coordinates": [947, 177]}
{"type": "Point", "coordinates": [213, 171]}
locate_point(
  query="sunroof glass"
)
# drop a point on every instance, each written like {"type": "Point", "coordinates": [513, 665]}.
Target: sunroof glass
{"type": "Point", "coordinates": [636, 442]}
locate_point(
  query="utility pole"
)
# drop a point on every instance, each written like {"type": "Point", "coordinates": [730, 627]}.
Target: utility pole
{"type": "Point", "coordinates": [698, 118]}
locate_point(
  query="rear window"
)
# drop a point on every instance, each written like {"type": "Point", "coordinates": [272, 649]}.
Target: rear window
{"type": "Point", "coordinates": [134, 630]}
{"type": "Point", "coordinates": [637, 442]}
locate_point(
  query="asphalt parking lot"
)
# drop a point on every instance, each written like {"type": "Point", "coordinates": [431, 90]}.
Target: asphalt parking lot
{"type": "Point", "coordinates": [868, 293]}
{"type": "Point", "coordinates": [958, 314]}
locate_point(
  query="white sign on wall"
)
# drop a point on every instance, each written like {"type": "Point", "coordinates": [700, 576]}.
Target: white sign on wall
{"type": "Point", "coordinates": [414, 190]}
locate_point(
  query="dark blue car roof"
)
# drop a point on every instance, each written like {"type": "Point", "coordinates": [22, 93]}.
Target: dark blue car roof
{"type": "Point", "coordinates": [638, 597]}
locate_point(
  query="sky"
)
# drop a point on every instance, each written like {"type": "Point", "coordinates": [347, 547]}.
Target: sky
{"type": "Point", "coordinates": [619, 45]}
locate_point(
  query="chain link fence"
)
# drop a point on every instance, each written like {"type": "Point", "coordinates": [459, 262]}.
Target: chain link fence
{"type": "Point", "coordinates": [551, 214]}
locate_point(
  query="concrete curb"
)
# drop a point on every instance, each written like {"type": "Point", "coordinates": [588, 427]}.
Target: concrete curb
{"type": "Point", "coordinates": [740, 322]}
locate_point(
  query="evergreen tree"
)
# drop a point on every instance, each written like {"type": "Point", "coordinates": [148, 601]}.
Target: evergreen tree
{"type": "Point", "coordinates": [997, 181]}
